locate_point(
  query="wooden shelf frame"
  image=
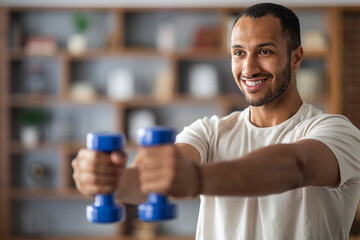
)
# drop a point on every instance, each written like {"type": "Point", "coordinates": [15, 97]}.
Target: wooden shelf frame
{"type": "Point", "coordinates": [4, 129]}
{"type": "Point", "coordinates": [118, 49]}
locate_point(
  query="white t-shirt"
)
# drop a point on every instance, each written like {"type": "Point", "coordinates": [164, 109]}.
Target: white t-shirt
{"type": "Point", "coordinates": [322, 213]}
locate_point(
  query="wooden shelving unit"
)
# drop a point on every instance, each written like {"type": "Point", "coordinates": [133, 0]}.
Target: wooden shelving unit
{"type": "Point", "coordinates": [225, 102]}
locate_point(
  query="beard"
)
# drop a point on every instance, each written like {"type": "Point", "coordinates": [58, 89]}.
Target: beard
{"type": "Point", "coordinates": [283, 81]}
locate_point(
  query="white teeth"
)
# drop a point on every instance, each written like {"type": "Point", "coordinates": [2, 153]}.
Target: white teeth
{"type": "Point", "coordinates": [253, 83]}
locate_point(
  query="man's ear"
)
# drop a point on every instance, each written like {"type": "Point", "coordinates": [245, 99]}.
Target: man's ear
{"type": "Point", "coordinates": [297, 57]}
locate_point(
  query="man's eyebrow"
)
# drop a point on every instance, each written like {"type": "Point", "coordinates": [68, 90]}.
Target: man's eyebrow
{"type": "Point", "coordinates": [236, 46]}
{"type": "Point", "coordinates": [258, 46]}
{"type": "Point", "coordinates": [267, 44]}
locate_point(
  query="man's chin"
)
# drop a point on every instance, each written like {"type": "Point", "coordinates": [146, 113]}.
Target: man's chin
{"type": "Point", "coordinates": [259, 102]}
{"type": "Point", "coordinates": [255, 104]}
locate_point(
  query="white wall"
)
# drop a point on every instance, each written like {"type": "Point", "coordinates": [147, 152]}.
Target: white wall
{"type": "Point", "coordinates": [172, 3]}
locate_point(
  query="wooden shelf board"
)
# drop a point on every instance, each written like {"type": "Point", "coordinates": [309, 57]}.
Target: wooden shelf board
{"type": "Point", "coordinates": [129, 52]}
{"type": "Point", "coordinates": [26, 100]}
{"type": "Point", "coordinates": [19, 54]}
{"type": "Point", "coordinates": [316, 53]}
{"type": "Point", "coordinates": [143, 52]}
{"type": "Point", "coordinates": [109, 53]}
{"type": "Point", "coordinates": [102, 238]}
{"type": "Point", "coordinates": [67, 146]}
{"type": "Point", "coordinates": [203, 53]}
{"type": "Point", "coordinates": [24, 194]}
{"type": "Point", "coordinates": [139, 101]}
{"type": "Point", "coordinates": [16, 147]}
{"type": "Point", "coordinates": [317, 100]}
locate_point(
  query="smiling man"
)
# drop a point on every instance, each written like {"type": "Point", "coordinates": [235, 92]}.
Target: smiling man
{"type": "Point", "coordinates": [280, 169]}
{"type": "Point", "coordinates": [259, 55]}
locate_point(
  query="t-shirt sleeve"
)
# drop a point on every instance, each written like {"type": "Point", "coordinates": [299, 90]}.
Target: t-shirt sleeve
{"type": "Point", "coordinates": [343, 139]}
{"type": "Point", "coordinates": [199, 135]}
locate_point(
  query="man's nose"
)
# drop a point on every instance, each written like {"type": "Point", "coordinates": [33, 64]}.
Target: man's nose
{"type": "Point", "coordinates": [250, 66]}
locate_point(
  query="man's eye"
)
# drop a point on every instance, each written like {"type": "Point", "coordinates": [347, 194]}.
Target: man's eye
{"type": "Point", "coordinates": [238, 53]}
{"type": "Point", "coordinates": [264, 52]}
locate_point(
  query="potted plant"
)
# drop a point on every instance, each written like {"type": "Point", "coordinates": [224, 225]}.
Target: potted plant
{"type": "Point", "coordinates": [31, 122]}
{"type": "Point", "coordinates": [77, 43]}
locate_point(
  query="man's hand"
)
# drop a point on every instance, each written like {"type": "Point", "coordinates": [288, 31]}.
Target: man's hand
{"type": "Point", "coordinates": [97, 172]}
{"type": "Point", "coordinates": [164, 170]}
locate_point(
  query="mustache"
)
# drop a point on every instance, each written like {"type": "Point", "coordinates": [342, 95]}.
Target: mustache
{"type": "Point", "coordinates": [257, 75]}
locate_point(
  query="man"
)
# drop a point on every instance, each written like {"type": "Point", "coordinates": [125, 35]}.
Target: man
{"type": "Point", "coordinates": [280, 169]}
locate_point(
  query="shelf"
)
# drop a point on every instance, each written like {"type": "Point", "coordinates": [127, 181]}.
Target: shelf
{"type": "Point", "coordinates": [17, 147]}
{"type": "Point", "coordinates": [146, 101]}
{"type": "Point", "coordinates": [24, 194]}
{"type": "Point", "coordinates": [40, 100]}
{"type": "Point", "coordinates": [131, 52]}
{"type": "Point", "coordinates": [320, 98]}
{"type": "Point", "coordinates": [68, 146]}
{"type": "Point", "coordinates": [24, 100]}
{"type": "Point", "coordinates": [19, 55]}
{"type": "Point", "coordinates": [89, 54]}
{"type": "Point", "coordinates": [64, 69]}
{"type": "Point", "coordinates": [203, 53]}
{"type": "Point", "coordinates": [106, 53]}
{"type": "Point", "coordinates": [102, 238]}
{"type": "Point", "coordinates": [33, 100]}
{"type": "Point", "coordinates": [316, 53]}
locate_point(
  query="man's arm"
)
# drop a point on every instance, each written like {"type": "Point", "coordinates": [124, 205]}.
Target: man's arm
{"type": "Point", "coordinates": [273, 169]}
{"type": "Point", "coordinates": [98, 173]}
{"type": "Point", "coordinates": [129, 187]}
{"type": "Point", "coordinates": [170, 170]}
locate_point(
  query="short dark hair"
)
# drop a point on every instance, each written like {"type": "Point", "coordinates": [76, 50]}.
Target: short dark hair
{"type": "Point", "coordinates": [289, 21]}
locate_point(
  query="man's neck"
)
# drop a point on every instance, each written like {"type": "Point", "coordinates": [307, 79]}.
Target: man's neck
{"type": "Point", "coordinates": [276, 112]}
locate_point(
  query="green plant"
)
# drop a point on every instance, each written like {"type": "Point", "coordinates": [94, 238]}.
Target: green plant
{"type": "Point", "coordinates": [81, 22]}
{"type": "Point", "coordinates": [32, 116]}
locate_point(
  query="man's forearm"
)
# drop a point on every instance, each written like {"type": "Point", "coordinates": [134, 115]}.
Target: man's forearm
{"type": "Point", "coordinates": [129, 187]}
{"type": "Point", "coordinates": [272, 169]}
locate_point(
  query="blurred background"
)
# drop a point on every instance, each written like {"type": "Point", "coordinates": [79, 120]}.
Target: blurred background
{"type": "Point", "coordinates": [72, 67]}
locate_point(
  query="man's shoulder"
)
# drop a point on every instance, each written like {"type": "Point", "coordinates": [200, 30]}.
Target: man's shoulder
{"type": "Point", "coordinates": [315, 120]}
{"type": "Point", "coordinates": [316, 116]}
{"type": "Point", "coordinates": [230, 120]}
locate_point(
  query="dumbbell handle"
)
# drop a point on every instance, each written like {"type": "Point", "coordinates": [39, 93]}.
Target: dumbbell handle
{"type": "Point", "coordinates": [157, 208]}
{"type": "Point", "coordinates": [104, 209]}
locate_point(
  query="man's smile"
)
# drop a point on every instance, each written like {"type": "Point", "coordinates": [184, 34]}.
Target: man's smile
{"type": "Point", "coordinates": [252, 85]}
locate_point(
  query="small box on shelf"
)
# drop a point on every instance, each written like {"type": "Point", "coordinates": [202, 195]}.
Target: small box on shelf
{"type": "Point", "coordinates": [41, 46]}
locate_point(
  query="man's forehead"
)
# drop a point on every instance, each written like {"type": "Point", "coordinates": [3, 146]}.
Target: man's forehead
{"type": "Point", "coordinates": [256, 24]}
{"type": "Point", "coordinates": [265, 28]}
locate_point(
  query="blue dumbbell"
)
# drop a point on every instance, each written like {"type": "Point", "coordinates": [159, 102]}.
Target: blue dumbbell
{"type": "Point", "coordinates": [157, 208]}
{"type": "Point", "coordinates": [104, 210]}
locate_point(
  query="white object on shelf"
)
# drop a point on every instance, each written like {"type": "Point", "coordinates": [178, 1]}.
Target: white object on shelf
{"type": "Point", "coordinates": [313, 40]}
{"type": "Point", "coordinates": [203, 81]}
{"type": "Point", "coordinates": [120, 84]}
{"type": "Point", "coordinates": [77, 44]}
{"type": "Point", "coordinates": [83, 91]}
{"type": "Point", "coordinates": [164, 86]}
{"type": "Point", "coordinates": [310, 83]}
{"type": "Point", "coordinates": [165, 38]}
{"type": "Point", "coordinates": [140, 119]}
{"type": "Point", "coordinates": [30, 136]}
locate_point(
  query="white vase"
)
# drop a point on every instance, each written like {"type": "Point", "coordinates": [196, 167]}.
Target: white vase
{"type": "Point", "coordinates": [120, 84]}
{"type": "Point", "coordinates": [30, 136]}
{"type": "Point", "coordinates": [77, 44]}
{"type": "Point", "coordinates": [203, 81]}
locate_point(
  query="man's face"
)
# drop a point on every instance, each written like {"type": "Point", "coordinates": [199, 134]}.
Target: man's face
{"type": "Point", "coordinates": [259, 57]}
